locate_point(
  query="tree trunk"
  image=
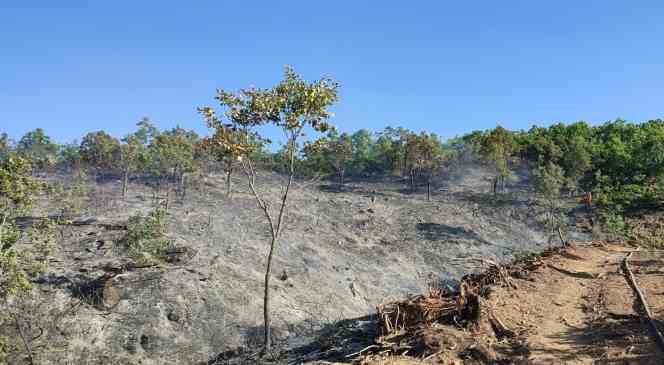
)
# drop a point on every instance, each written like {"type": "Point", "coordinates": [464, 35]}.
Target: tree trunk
{"type": "Point", "coordinates": [428, 190]}
{"type": "Point", "coordinates": [412, 180]}
{"type": "Point", "coordinates": [495, 186]}
{"type": "Point", "coordinates": [183, 186]}
{"type": "Point", "coordinates": [125, 182]}
{"type": "Point", "coordinates": [266, 297]}
{"type": "Point", "coordinates": [341, 177]}
{"type": "Point", "coordinates": [276, 230]}
{"type": "Point", "coordinates": [229, 172]}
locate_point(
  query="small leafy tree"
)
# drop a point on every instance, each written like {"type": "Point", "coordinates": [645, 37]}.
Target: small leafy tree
{"type": "Point", "coordinates": [5, 144]}
{"type": "Point", "coordinates": [292, 105]}
{"type": "Point", "coordinates": [335, 150]}
{"type": "Point", "coordinates": [428, 156]}
{"type": "Point", "coordinates": [37, 147]}
{"type": "Point", "coordinates": [100, 151]}
{"type": "Point", "coordinates": [131, 151]}
{"type": "Point", "coordinates": [219, 146]}
{"type": "Point", "coordinates": [17, 191]}
{"type": "Point", "coordinates": [173, 154]}
{"type": "Point", "coordinates": [69, 156]}
{"type": "Point", "coordinates": [548, 179]}
{"type": "Point", "coordinates": [496, 150]}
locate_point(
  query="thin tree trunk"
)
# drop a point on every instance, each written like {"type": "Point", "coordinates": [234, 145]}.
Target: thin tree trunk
{"type": "Point", "coordinates": [229, 172]}
{"type": "Point", "coordinates": [125, 182]}
{"type": "Point", "coordinates": [428, 190]}
{"type": "Point", "coordinates": [412, 180]}
{"type": "Point", "coordinates": [266, 297]}
{"type": "Point", "coordinates": [341, 177]}
{"type": "Point", "coordinates": [183, 185]}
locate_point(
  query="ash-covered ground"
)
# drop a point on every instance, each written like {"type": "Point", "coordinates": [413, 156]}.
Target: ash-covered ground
{"type": "Point", "coordinates": [342, 252]}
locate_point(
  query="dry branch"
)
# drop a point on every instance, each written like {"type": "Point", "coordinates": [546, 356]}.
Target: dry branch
{"type": "Point", "coordinates": [642, 300]}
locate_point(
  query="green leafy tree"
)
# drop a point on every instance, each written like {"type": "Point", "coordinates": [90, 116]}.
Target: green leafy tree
{"type": "Point", "coordinates": [69, 155]}
{"type": "Point", "coordinates": [131, 153]}
{"type": "Point", "coordinates": [100, 151]}
{"type": "Point", "coordinates": [38, 148]}
{"type": "Point", "coordinates": [548, 179]}
{"type": "Point", "coordinates": [428, 157]}
{"type": "Point", "coordinates": [173, 154]}
{"type": "Point", "coordinates": [335, 150]}
{"type": "Point", "coordinates": [5, 144]}
{"type": "Point", "coordinates": [496, 150]}
{"type": "Point", "coordinates": [292, 105]}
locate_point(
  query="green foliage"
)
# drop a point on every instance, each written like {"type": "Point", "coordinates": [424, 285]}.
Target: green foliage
{"type": "Point", "coordinates": [5, 144]}
{"type": "Point", "coordinates": [70, 197]}
{"type": "Point", "coordinates": [332, 151]}
{"type": "Point", "coordinates": [614, 223]}
{"type": "Point", "coordinates": [146, 241]}
{"type": "Point", "coordinates": [37, 147]}
{"type": "Point", "coordinates": [69, 155]}
{"type": "Point", "coordinates": [173, 151]}
{"type": "Point", "coordinates": [496, 149]}
{"type": "Point", "coordinates": [548, 181]}
{"type": "Point", "coordinates": [17, 191]}
{"type": "Point", "coordinates": [100, 150]}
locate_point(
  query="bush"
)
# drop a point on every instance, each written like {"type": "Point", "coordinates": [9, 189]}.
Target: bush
{"type": "Point", "coordinates": [146, 241]}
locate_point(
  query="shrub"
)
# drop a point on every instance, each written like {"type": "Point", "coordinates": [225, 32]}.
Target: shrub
{"type": "Point", "coordinates": [146, 241]}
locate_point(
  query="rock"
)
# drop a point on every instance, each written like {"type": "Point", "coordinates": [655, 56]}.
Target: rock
{"type": "Point", "coordinates": [173, 316]}
{"type": "Point", "coordinates": [110, 295]}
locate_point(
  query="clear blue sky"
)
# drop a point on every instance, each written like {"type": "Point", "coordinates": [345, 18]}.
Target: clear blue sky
{"type": "Point", "coordinates": [449, 67]}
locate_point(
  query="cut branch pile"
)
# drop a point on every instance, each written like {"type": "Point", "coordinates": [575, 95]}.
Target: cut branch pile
{"type": "Point", "coordinates": [460, 307]}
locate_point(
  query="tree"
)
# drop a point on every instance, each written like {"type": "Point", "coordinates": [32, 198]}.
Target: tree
{"type": "Point", "coordinates": [428, 156]}
{"type": "Point", "coordinates": [17, 193]}
{"type": "Point", "coordinates": [146, 131]}
{"type": "Point", "coordinates": [100, 151]}
{"type": "Point", "coordinates": [292, 105]}
{"type": "Point", "coordinates": [38, 148]}
{"type": "Point", "coordinates": [496, 150]}
{"type": "Point", "coordinates": [173, 154]}
{"type": "Point", "coordinates": [548, 180]}
{"type": "Point", "coordinates": [335, 150]}
{"type": "Point", "coordinates": [131, 151]}
{"type": "Point", "coordinates": [221, 147]}
{"type": "Point", "coordinates": [69, 155]}
{"type": "Point", "coordinates": [5, 144]}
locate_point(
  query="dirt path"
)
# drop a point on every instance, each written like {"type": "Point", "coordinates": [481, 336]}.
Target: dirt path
{"type": "Point", "coordinates": [576, 307]}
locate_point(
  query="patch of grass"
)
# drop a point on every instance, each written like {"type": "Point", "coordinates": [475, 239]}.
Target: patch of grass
{"type": "Point", "coordinates": [146, 241]}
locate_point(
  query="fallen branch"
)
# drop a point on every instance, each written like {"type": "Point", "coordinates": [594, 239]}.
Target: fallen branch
{"type": "Point", "coordinates": [363, 350]}
{"type": "Point", "coordinates": [642, 300]}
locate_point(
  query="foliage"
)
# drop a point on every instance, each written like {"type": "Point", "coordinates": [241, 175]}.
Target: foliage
{"type": "Point", "coordinates": [70, 196]}
{"type": "Point", "coordinates": [548, 181]}
{"type": "Point", "coordinates": [100, 150]}
{"type": "Point", "coordinates": [496, 150]}
{"type": "Point", "coordinates": [37, 147]}
{"type": "Point", "coordinates": [146, 241]}
{"type": "Point", "coordinates": [17, 191]}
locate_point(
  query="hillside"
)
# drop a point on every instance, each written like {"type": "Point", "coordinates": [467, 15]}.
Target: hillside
{"type": "Point", "coordinates": [341, 255]}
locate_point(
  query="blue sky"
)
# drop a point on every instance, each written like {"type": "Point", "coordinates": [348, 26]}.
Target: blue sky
{"type": "Point", "coordinates": [449, 67]}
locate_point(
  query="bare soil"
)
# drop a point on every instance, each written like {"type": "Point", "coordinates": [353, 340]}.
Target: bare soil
{"type": "Point", "coordinates": [576, 307]}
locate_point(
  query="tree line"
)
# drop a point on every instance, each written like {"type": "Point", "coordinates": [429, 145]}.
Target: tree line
{"type": "Point", "coordinates": [621, 163]}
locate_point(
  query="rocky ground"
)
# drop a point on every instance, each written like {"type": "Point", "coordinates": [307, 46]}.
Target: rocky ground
{"type": "Point", "coordinates": [342, 253]}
